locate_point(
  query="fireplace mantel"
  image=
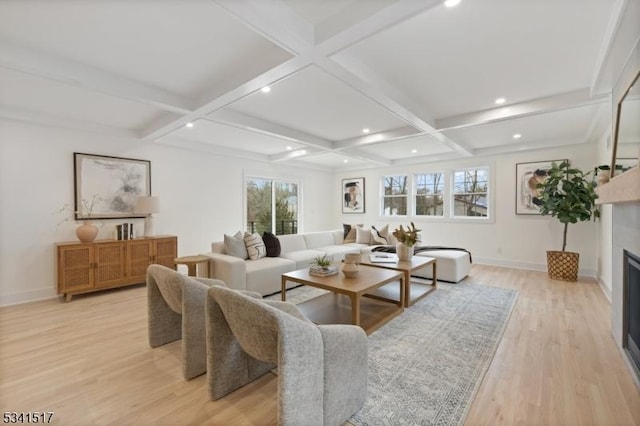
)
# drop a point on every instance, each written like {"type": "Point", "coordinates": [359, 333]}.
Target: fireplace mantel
{"type": "Point", "coordinates": [622, 188]}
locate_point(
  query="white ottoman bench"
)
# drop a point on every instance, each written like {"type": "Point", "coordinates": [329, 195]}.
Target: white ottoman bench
{"type": "Point", "coordinates": [452, 265]}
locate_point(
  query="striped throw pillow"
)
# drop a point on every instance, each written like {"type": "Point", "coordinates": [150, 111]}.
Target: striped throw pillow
{"type": "Point", "coordinates": [255, 246]}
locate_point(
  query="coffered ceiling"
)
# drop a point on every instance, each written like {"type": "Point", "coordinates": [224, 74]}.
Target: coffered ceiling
{"type": "Point", "coordinates": [420, 77]}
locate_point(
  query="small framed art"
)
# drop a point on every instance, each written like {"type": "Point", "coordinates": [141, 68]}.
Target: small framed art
{"type": "Point", "coordinates": [353, 195]}
{"type": "Point", "coordinates": [528, 176]}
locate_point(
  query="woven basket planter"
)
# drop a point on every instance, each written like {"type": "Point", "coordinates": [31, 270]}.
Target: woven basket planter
{"type": "Point", "coordinates": [563, 265]}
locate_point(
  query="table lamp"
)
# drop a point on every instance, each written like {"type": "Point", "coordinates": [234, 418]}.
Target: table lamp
{"type": "Point", "coordinates": [147, 206]}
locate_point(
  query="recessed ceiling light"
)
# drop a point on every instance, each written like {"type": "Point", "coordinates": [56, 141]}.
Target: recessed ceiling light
{"type": "Point", "coordinates": [517, 136]}
{"type": "Point", "coordinates": [366, 130]}
{"type": "Point", "coordinates": [500, 101]}
{"type": "Point", "coordinates": [414, 151]}
{"type": "Point", "coordinates": [451, 3]}
{"type": "Point", "coordinates": [289, 148]}
{"type": "Point", "coordinates": [265, 89]}
{"type": "Point", "coordinates": [189, 125]}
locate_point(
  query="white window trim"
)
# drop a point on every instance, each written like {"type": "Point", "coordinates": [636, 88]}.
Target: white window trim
{"type": "Point", "coordinates": [448, 205]}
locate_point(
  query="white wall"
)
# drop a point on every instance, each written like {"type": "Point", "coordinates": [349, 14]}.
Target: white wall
{"type": "Point", "coordinates": [201, 198]}
{"type": "Point", "coordinates": [510, 240]}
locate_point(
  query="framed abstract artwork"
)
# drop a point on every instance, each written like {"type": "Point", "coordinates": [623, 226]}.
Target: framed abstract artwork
{"type": "Point", "coordinates": [107, 187]}
{"type": "Point", "coordinates": [528, 175]}
{"type": "Point", "coordinates": [353, 195]}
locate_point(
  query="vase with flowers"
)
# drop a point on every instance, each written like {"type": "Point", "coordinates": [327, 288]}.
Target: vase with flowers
{"type": "Point", "coordinates": [87, 231]}
{"type": "Point", "coordinates": [406, 240]}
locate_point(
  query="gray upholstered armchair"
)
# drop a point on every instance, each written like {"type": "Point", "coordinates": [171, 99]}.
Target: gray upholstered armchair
{"type": "Point", "coordinates": [322, 369]}
{"type": "Point", "coordinates": [175, 304]}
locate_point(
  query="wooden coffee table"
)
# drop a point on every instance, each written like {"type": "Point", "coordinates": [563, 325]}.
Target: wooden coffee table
{"type": "Point", "coordinates": [414, 290]}
{"type": "Point", "coordinates": [346, 302]}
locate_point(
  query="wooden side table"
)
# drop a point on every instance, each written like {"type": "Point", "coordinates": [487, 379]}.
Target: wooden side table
{"type": "Point", "coordinates": [192, 262]}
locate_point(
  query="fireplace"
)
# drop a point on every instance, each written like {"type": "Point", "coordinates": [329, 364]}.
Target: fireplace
{"type": "Point", "coordinates": [631, 313]}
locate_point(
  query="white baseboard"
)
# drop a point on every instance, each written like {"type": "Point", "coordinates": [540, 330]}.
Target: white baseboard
{"type": "Point", "coordinates": [604, 288]}
{"type": "Point", "coordinates": [583, 272]}
{"type": "Point", "coordinates": [27, 296]}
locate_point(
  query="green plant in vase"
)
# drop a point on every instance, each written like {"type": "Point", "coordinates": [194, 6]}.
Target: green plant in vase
{"type": "Point", "coordinates": [568, 195]}
{"type": "Point", "coordinates": [322, 261]}
{"type": "Point", "coordinates": [408, 237]}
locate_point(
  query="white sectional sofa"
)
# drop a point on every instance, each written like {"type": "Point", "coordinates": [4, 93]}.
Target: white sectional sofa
{"type": "Point", "coordinates": [297, 251]}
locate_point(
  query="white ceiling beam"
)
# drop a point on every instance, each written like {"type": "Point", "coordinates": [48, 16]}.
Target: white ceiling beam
{"type": "Point", "coordinates": [85, 77]}
{"type": "Point", "coordinates": [19, 114]}
{"type": "Point", "coordinates": [599, 123]}
{"type": "Point", "coordinates": [605, 48]}
{"type": "Point", "coordinates": [573, 99]}
{"type": "Point", "coordinates": [161, 128]}
{"type": "Point", "coordinates": [530, 146]}
{"type": "Point", "coordinates": [247, 122]}
{"type": "Point", "coordinates": [433, 158]}
{"type": "Point", "coordinates": [375, 138]}
{"type": "Point", "coordinates": [297, 153]}
{"type": "Point", "coordinates": [360, 154]}
{"type": "Point", "coordinates": [273, 20]}
{"type": "Point", "coordinates": [391, 15]}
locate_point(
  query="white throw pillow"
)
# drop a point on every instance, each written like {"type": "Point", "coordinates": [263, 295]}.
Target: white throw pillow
{"type": "Point", "coordinates": [363, 235]}
{"type": "Point", "coordinates": [255, 246]}
{"type": "Point", "coordinates": [234, 246]}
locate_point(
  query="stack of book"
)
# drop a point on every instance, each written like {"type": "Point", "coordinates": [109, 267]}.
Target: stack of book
{"type": "Point", "coordinates": [322, 271]}
{"type": "Point", "coordinates": [124, 231]}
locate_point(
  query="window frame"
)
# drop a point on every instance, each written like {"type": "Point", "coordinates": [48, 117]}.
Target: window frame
{"type": "Point", "coordinates": [445, 196]}
{"type": "Point", "coordinates": [383, 196]}
{"type": "Point", "coordinates": [489, 217]}
{"type": "Point", "coordinates": [275, 179]}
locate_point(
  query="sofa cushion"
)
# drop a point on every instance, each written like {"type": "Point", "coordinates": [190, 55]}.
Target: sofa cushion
{"type": "Point", "coordinates": [338, 237]}
{"type": "Point", "coordinates": [255, 246]}
{"type": "Point", "coordinates": [272, 243]}
{"type": "Point", "coordinates": [303, 258]}
{"type": "Point", "coordinates": [292, 242]}
{"type": "Point", "coordinates": [313, 240]}
{"type": "Point", "coordinates": [337, 252]}
{"type": "Point", "coordinates": [264, 275]}
{"type": "Point", "coordinates": [234, 245]}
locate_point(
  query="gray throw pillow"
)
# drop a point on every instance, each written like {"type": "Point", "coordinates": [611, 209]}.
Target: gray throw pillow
{"type": "Point", "coordinates": [234, 245]}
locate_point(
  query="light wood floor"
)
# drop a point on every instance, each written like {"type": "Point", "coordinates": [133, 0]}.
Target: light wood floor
{"type": "Point", "coordinates": [89, 362]}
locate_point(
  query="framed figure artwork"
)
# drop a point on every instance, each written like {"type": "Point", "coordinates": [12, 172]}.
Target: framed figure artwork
{"type": "Point", "coordinates": [528, 176]}
{"type": "Point", "coordinates": [108, 187]}
{"type": "Point", "coordinates": [353, 195]}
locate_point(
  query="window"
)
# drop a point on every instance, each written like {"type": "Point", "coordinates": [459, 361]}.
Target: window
{"type": "Point", "coordinates": [470, 193]}
{"type": "Point", "coordinates": [272, 205]}
{"type": "Point", "coordinates": [394, 200]}
{"type": "Point", "coordinates": [429, 194]}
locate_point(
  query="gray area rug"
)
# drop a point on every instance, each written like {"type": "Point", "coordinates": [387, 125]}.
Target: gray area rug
{"type": "Point", "coordinates": [426, 365]}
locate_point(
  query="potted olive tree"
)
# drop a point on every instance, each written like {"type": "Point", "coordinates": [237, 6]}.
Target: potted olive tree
{"type": "Point", "coordinates": [569, 195]}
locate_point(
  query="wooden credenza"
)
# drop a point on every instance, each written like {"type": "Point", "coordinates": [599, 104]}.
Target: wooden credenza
{"type": "Point", "coordinates": [86, 267]}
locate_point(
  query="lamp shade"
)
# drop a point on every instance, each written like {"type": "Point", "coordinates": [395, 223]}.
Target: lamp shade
{"type": "Point", "coordinates": [147, 205]}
